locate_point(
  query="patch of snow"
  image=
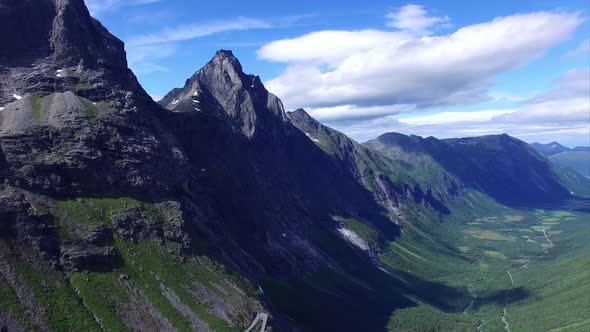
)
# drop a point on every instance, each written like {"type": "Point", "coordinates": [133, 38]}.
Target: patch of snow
{"type": "Point", "coordinates": [260, 289]}
{"type": "Point", "coordinates": [17, 97]}
{"type": "Point", "coordinates": [198, 109]}
{"type": "Point", "coordinates": [554, 145]}
{"type": "Point", "coordinates": [354, 239]}
{"type": "Point", "coordinates": [196, 93]}
{"type": "Point", "coordinates": [312, 138]}
{"type": "Point", "coordinates": [252, 85]}
{"type": "Point", "coordinates": [175, 101]}
{"type": "Point", "coordinates": [93, 103]}
{"type": "Point", "coordinates": [59, 70]}
{"type": "Point", "coordinates": [284, 235]}
{"type": "Point", "coordinates": [58, 75]}
{"type": "Point", "coordinates": [571, 192]}
{"type": "Point", "coordinates": [1, 108]}
{"type": "Point", "coordinates": [196, 101]}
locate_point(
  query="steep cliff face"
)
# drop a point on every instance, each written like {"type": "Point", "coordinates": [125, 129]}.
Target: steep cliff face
{"type": "Point", "coordinates": [74, 119]}
{"type": "Point", "coordinates": [394, 183]}
{"type": "Point", "coordinates": [221, 87]}
{"type": "Point", "coordinates": [269, 185]}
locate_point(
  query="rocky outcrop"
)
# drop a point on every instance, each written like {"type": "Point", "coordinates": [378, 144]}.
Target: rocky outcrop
{"type": "Point", "coordinates": [135, 225]}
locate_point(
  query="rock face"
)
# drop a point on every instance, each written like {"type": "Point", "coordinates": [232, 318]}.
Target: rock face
{"type": "Point", "coordinates": [387, 179]}
{"type": "Point", "coordinates": [75, 120]}
{"type": "Point", "coordinates": [222, 88]}
{"type": "Point", "coordinates": [56, 46]}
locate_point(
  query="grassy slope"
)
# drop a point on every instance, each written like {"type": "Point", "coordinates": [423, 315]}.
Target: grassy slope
{"type": "Point", "coordinates": [78, 301]}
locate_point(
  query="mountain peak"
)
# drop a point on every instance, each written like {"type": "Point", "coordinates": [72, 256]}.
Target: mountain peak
{"type": "Point", "coordinates": [56, 46]}
{"type": "Point", "coordinates": [221, 87]}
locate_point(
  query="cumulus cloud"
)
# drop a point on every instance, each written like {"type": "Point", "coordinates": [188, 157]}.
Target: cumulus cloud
{"type": "Point", "coordinates": [369, 68]}
{"type": "Point", "coordinates": [415, 19]}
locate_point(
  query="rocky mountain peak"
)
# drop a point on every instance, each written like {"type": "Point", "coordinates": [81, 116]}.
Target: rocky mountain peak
{"type": "Point", "coordinates": [56, 46]}
{"type": "Point", "coordinates": [222, 88]}
{"type": "Point", "coordinates": [300, 115]}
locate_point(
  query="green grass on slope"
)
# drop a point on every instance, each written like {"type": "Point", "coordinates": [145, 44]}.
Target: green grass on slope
{"type": "Point", "coordinates": [366, 232]}
{"type": "Point", "coordinates": [10, 304]}
{"type": "Point", "coordinates": [148, 264]}
{"type": "Point", "coordinates": [36, 104]}
{"type": "Point", "coordinates": [91, 301]}
{"type": "Point", "coordinates": [63, 309]}
{"type": "Point", "coordinates": [99, 292]}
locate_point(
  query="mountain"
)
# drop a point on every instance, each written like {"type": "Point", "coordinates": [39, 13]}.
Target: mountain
{"type": "Point", "coordinates": [578, 160]}
{"type": "Point", "coordinates": [501, 166]}
{"type": "Point", "coordinates": [391, 181]}
{"type": "Point", "coordinates": [549, 149]}
{"type": "Point", "coordinates": [216, 210]}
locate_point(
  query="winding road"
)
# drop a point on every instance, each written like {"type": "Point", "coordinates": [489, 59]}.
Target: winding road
{"type": "Point", "coordinates": [260, 317]}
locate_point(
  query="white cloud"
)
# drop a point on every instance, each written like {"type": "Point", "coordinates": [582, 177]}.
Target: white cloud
{"type": "Point", "coordinates": [567, 121]}
{"type": "Point", "coordinates": [192, 31]}
{"type": "Point", "coordinates": [574, 83]}
{"type": "Point", "coordinates": [97, 7]}
{"type": "Point", "coordinates": [349, 112]}
{"type": "Point", "coordinates": [451, 117]}
{"type": "Point", "coordinates": [142, 58]}
{"type": "Point", "coordinates": [369, 68]}
{"type": "Point", "coordinates": [414, 19]}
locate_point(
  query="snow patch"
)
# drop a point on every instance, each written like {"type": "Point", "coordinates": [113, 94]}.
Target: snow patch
{"type": "Point", "coordinates": [17, 97]}
{"type": "Point", "coordinates": [175, 101]}
{"type": "Point", "coordinates": [312, 138]}
{"type": "Point", "coordinates": [260, 289]}
{"type": "Point", "coordinates": [354, 239]}
{"type": "Point", "coordinates": [198, 109]}
{"type": "Point", "coordinates": [196, 93]}
{"type": "Point", "coordinates": [196, 101]}
{"type": "Point", "coordinates": [1, 108]}
{"type": "Point", "coordinates": [284, 235]}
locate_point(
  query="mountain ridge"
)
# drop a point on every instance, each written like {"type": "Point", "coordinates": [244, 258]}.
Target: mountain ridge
{"type": "Point", "coordinates": [214, 206]}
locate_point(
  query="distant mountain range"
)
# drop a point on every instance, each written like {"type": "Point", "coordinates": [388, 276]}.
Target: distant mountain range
{"type": "Point", "coordinates": [577, 158]}
{"type": "Point", "coordinates": [215, 208]}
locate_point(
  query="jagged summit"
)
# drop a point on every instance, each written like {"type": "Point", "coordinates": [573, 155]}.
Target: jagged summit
{"type": "Point", "coordinates": [56, 46]}
{"type": "Point", "coordinates": [222, 88]}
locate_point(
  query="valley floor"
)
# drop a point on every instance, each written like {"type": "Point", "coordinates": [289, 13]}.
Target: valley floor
{"type": "Point", "coordinates": [518, 270]}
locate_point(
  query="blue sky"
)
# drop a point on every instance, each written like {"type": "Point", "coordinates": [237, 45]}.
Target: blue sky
{"type": "Point", "coordinates": [446, 69]}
